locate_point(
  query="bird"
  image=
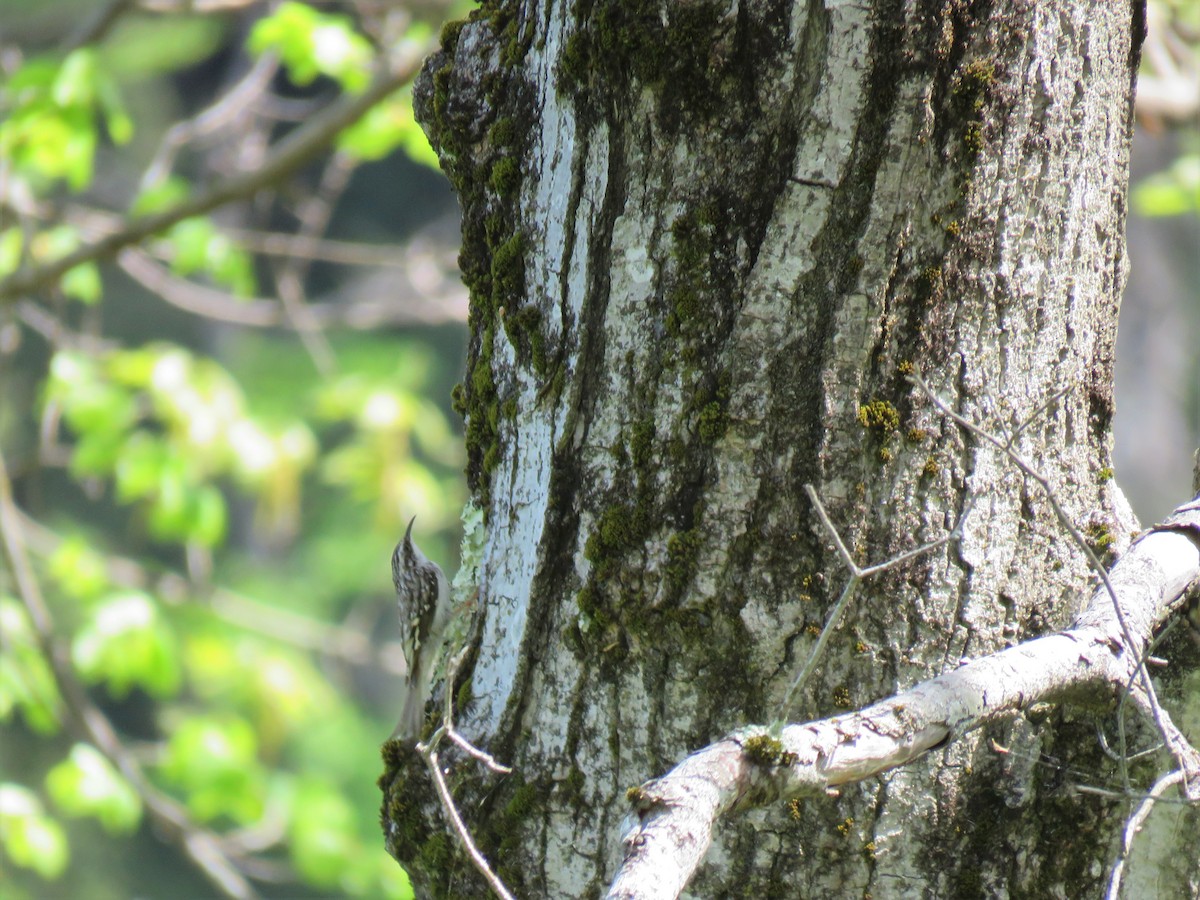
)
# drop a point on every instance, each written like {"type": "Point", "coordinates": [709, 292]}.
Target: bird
{"type": "Point", "coordinates": [425, 606]}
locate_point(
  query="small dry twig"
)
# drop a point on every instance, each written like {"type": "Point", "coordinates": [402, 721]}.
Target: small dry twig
{"type": "Point", "coordinates": [857, 575]}
{"type": "Point", "coordinates": [428, 752]}
{"type": "Point", "coordinates": [1134, 825]}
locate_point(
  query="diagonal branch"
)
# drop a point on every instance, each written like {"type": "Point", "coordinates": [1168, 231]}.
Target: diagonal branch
{"type": "Point", "coordinates": [296, 150]}
{"type": "Point", "coordinates": [674, 816]}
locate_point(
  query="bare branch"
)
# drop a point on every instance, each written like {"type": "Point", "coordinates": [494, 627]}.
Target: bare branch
{"type": "Point", "coordinates": [675, 814]}
{"type": "Point", "coordinates": [259, 312]}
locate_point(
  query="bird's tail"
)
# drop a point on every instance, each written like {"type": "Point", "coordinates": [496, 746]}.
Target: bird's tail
{"type": "Point", "coordinates": [412, 718]}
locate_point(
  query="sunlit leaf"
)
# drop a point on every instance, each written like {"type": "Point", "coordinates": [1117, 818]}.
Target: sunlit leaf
{"type": "Point", "coordinates": [11, 243]}
{"type": "Point", "coordinates": [30, 838]}
{"type": "Point", "coordinates": [189, 242]}
{"type": "Point", "coordinates": [74, 84]}
{"type": "Point", "coordinates": [139, 467]}
{"type": "Point", "coordinates": [83, 283]}
{"type": "Point", "coordinates": [26, 680]}
{"type": "Point", "coordinates": [213, 760]}
{"type": "Point", "coordinates": [312, 43]}
{"type": "Point", "coordinates": [387, 126]}
{"type": "Point", "coordinates": [169, 192]}
{"type": "Point", "coordinates": [207, 525]}
{"type": "Point", "coordinates": [78, 570]}
{"type": "Point", "coordinates": [86, 784]}
{"type": "Point", "coordinates": [125, 644]}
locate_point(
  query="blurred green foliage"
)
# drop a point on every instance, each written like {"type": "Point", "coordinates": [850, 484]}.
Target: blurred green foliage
{"type": "Point", "coordinates": [1171, 66]}
{"type": "Point", "coordinates": [1173, 191]}
{"type": "Point", "coordinates": [210, 520]}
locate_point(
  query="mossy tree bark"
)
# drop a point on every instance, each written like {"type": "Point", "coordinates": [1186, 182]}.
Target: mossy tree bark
{"type": "Point", "coordinates": [706, 244]}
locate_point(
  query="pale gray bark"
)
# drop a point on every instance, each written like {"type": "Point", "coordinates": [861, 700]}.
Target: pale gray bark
{"type": "Point", "coordinates": [705, 244]}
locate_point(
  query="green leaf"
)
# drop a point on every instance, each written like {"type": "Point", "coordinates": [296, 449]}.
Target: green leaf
{"type": "Point", "coordinates": [170, 514]}
{"type": "Point", "coordinates": [312, 43]}
{"type": "Point", "coordinates": [73, 86]}
{"type": "Point", "coordinates": [34, 77]}
{"type": "Point", "coordinates": [31, 839]}
{"type": "Point", "coordinates": [83, 283]}
{"type": "Point", "coordinates": [321, 835]}
{"type": "Point", "coordinates": [207, 521]}
{"type": "Point", "coordinates": [135, 367]}
{"type": "Point", "coordinates": [98, 407]}
{"type": "Point", "coordinates": [11, 243]}
{"type": "Point", "coordinates": [78, 570]}
{"type": "Point", "coordinates": [96, 453]}
{"type": "Point", "coordinates": [139, 467]}
{"type": "Point", "coordinates": [388, 125]}
{"type": "Point", "coordinates": [126, 644]}
{"type": "Point", "coordinates": [214, 761]}
{"type": "Point", "coordinates": [55, 242]}
{"type": "Point", "coordinates": [197, 246]}
{"type": "Point", "coordinates": [231, 266]}
{"type": "Point", "coordinates": [26, 681]}
{"type": "Point", "coordinates": [189, 242]}
{"type": "Point", "coordinates": [116, 119]}
{"type": "Point", "coordinates": [86, 784]}
{"type": "Point", "coordinates": [171, 191]}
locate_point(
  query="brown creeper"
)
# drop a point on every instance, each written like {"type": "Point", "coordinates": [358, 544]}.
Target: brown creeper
{"type": "Point", "coordinates": [423, 596]}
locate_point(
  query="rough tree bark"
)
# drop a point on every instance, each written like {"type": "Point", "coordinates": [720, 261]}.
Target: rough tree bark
{"type": "Point", "coordinates": [706, 244]}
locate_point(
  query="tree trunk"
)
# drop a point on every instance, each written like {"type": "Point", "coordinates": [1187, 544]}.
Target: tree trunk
{"type": "Point", "coordinates": [706, 244]}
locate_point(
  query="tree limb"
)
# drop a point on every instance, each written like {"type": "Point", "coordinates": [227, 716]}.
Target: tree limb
{"type": "Point", "coordinates": [674, 815]}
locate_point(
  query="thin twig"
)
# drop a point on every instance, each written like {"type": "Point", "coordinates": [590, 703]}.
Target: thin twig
{"type": "Point", "coordinates": [349, 253]}
{"type": "Point", "coordinates": [448, 720]}
{"type": "Point", "coordinates": [314, 214]}
{"type": "Point", "coordinates": [857, 574]}
{"type": "Point", "coordinates": [428, 751]}
{"type": "Point", "coordinates": [260, 312]}
{"type": "Point", "coordinates": [210, 119]}
{"type": "Point", "coordinates": [464, 834]}
{"type": "Point", "coordinates": [1134, 825]}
